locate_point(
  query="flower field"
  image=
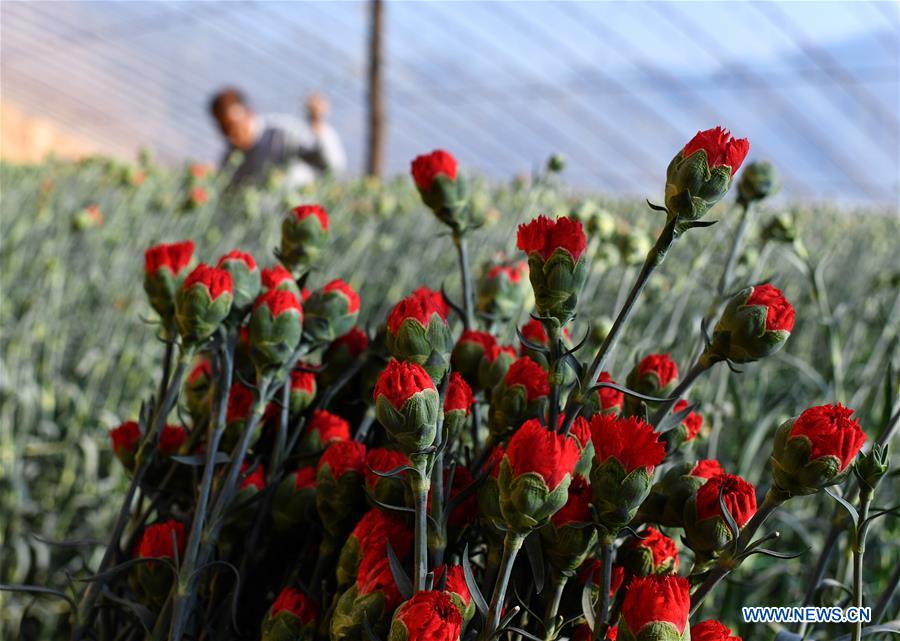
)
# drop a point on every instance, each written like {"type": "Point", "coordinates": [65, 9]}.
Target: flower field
{"type": "Point", "coordinates": [91, 338]}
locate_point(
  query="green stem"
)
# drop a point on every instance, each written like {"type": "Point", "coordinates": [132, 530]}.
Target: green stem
{"type": "Point", "coordinates": [420, 487]}
{"type": "Point", "coordinates": [559, 585]}
{"type": "Point", "coordinates": [734, 252]}
{"type": "Point", "coordinates": [655, 257]}
{"type": "Point", "coordinates": [859, 551]}
{"type": "Point", "coordinates": [554, 374]}
{"type": "Point", "coordinates": [512, 543]}
{"type": "Point", "coordinates": [462, 251]}
{"type": "Point", "coordinates": [727, 563]}
{"type": "Point", "coordinates": [601, 619]}
{"type": "Point", "coordinates": [703, 363]}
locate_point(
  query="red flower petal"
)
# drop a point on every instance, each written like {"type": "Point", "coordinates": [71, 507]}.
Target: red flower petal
{"type": "Point", "coordinates": [720, 147]}
{"type": "Point", "coordinates": [426, 168]}
{"type": "Point", "coordinates": [544, 236]}
{"type": "Point", "coordinates": [631, 441]}
{"type": "Point", "coordinates": [738, 495]}
{"type": "Point", "coordinates": [534, 448]}
{"type": "Point", "coordinates": [780, 314]}
{"type": "Point", "coordinates": [401, 380]}
{"type": "Point", "coordinates": [302, 212]}
{"type": "Point", "coordinates": [657, 597]}
{"type": "Point", "coordinates": [832, 432]}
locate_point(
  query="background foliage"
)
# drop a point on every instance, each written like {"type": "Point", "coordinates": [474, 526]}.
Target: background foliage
{"type": "Point", "coordinates": [76, 357]}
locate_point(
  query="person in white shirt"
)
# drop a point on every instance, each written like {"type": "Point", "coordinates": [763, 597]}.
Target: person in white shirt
{"type": "Point", "coordinates": [304, 151]}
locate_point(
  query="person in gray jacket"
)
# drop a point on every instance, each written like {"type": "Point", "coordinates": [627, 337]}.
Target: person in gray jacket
{"type": "Point", "coordinates": [304, 151]}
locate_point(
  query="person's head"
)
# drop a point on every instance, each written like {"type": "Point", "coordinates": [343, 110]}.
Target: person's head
{"type": "Point", "coordinates": [317, 108]}
{"type": "Point", "coordinates": [235, 118]}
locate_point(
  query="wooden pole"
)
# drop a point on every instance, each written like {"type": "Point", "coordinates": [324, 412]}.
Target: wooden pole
{"type": "Point", "coordinates": [375, 160]}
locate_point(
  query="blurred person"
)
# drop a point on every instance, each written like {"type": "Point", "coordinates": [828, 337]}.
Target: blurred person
{"type": "Point", "coordinates": [303, 150]}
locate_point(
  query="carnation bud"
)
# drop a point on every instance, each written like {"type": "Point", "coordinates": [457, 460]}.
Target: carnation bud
{"type": "Point", "coordinates": [278, 277]}
{"type": "Point", "coordinates": [872, 467]}
{"type": "Point", "coordinates": [606, 400]}
{"type": "Point", "coordinates": [469, 351]}
{"type": "Point", "coordinates": [535, 474]}
{"type": "Point", "coordinates": [339, 486]}
{"type": "Point", "coordinates": [171, 438]}
{"type": "Point", "coordinates": [303, 390]}
{"type": "Point", "coordinates": [780, 229]}
{"type": "Point", "coordinates": [389, 490]}
{"type": "Point", "coordinates": [502, 291]}
{"type": "Point", "coordinates": [292, 617]}
{"type": "Point", "coordinates": [650, 552]}
{"type": "Point", "coordinates": [369, 538]}
{"type": "Point", "coordinates": [686, 430]}
{"type": "Point", "coordinates": [407, 405]}
{"type": "Point", "coordinates": [275, 328]}
{"type": "Point", "coordinates": [304, 234]}
{"type": "Point", "coordinates": [568, 538]}
{"type": "Point", "coordinates": [158, 541]}
{"type": "Point", "coordinates": [756, 323]}
{"type": "Point", "coordinates": [417, 332]}
{"type": "Point", "coordinates": [522, 394]}
{"type": "Point", "coordinates": [165, 266]}
{"type": "Point", "coordinates": [625, 453]}
{"type": "Point", "coordinates": [759, 180]}
{"type": "Point", "coordinates": [458, 403]}
{"type": "Point", "coordinates": [712, 630]}
{"type": "Point", "coordinates": [655, 375]}
{"type": "Point", "coordinates": [493, 366]}
{"type": "Point", "coordinates": [373, 596]}
{"type": "Point", "coordinates": [294, 501]}
{"type": "Point", "coordinates": [240, 403]}
{"type": "Point", "coordinates": [245, 277]}
{"type": "Point", "coordinates": [198, 389]}
{"type": "Point", "coordinates": [700, 174]}
{"type": "Point", "coordinates": [656, 608]}
{"type": "Point", "coordinates": [331, 311]}
{"type": "Point", "coordinates": [815, 449]}
{"type": "Point", "coordinates": [557, 266]}
{"type": "Point", "coordinates": [489, 490]}
{"type": "Point", "coordinates": [442, 189]}
{"type": "Point", "coordinates": [428, 616]}
{"type": "Point", "coordinates": [126, 439]}
{"type": "Point", "coordinates": [202, 303]}
{"type": "Point", "coordinates": [668, 496]}
{"type": "Point", "coordinates": [705, 529]}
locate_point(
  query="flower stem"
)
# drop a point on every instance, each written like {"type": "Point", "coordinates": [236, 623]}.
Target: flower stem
{"type": "Point", "coordinates": [601, 622]}
{"type": "Point", "coordinates": [462, 251]}
{"type": "Point", "coordinates": [554, 374]}
{"type": "Point", "coordinates": [859, 551]}
{"type": "Point", "coordinates": [725, 280]}
{"type": "Point", "coordinates": [512, 543]}
{"type": "Point", "coordinates": [420, 487]}
{"type": "Point", "coordinates": [559, 585]}
{"type": "Point", "coordinates": [654, 259]}
{"type": "Point", "coordinates": [684, 385]}
{"type": "Point", "coordinates": [727, 563]}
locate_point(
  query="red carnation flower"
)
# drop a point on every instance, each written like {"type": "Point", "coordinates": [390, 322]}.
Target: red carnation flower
{"type": "Point", "coordinates": [400, 381]}
{"type": "Point", "coordinates": [662, 547]}
{"type": "Point", "coordinates": [530, 375]}
{"type": "Point", "coordinates": [348, 292]}
{"type": "Point", "coordinates": [175, 256]}
{"type": "Point", "coordinates": [493, 351]}
{"type": "Point", "coordinates": [831, 432]}
{"type": "Point", "coordinates": [720, 147]}
{"type": "Point", "coordinates": [544, 236]}
{"type": "Point", "coordinates": [216, 281]}
{"type": "Point", "coordinates": [631, 441]}
{"type": "Point", "coordinates": [382, 460]}
{"type": "Point", "coordinates": [578, 506]}
{"type": "Point", "coordinates": [375, 529]}
{"type": "Point", "coordinates": [278, 301]}
{"type": "Point", "coordinates": [156, 541]}
{"type": "Point", "coordinates": [355, 341]}
{"type": "Point", "coordinates": [199, 195]}
{"type": "Point", "coordinates": [456, 581]}
{"type": "Point", "coordinates": [301, 380]}
{"type": "Point", "coordinates": [485, 339]}
{"type": "Point", "coordinates": [693, 422]}
{"type": "Point", "coordinates": [427, 167]}
{"type": "Point", "coordinates": [236, 254]}
{"type": "Point", "coordinates": [240, 401]}
{"type": "Point", "coordinates": [534, 331]}
{"type": "Point", "coordinates": [707, 468]}
{"type": "Point", "coordinates": [661, 365]}
{"type": "Point", "coordinates": [592, 570]}
{"type": "Point", "coordinates": [580, 430]}
{"type": "Point", "coordinates": [374, 575]}
{"type": "Point", "coordinates": [780, 314]}
{"type": "Point", "coordinates": [330, 428]}
{"type": "Point", "coordinates": [534, 448]}
{"type": "Point", "coordinates": [256, 478]}
{"type": "Point", "coordinates": [513, 273]}
{"type": "Point", "coordinates": [420, 306]}
{"type": "Point", "coordinates": [171, 439]}
{"type": "Point", "coordinates": [712, 630]}
{"type": "Point", "coordinates": [609, 397]}
{"type": "Point", "coordinates": [302, 212]}
{"type": "Point", "coordinates": [125, 438]}
{"type": "Point", "coordinates": [738, 495]}
{"type": "Point", "coordinates": [584, 633]}
{"type": "Point", "coordinates": [272, 277]}
{"type": "Point", "coordinates": [343, 457]}
{"type": "Point", "coordinates": [305, 478]}
{"type": "Point", "coordinates": [657, 597]}
{"type": "Point", "coordinates": [297, 603]}
{"type": "Point", "coordinates": [459, 394]}
{"type": "Point", "coordinates": [430, 616]}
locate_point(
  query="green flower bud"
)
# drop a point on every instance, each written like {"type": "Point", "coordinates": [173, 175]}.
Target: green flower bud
{"type": "Point", "coordinates": [756, 323]}
{"type": "Point", "coordinates": [245, 277]}
{"type": "Point", "coordinates": [304, 234]}
{"type": "Point", "coordinates": [275, 329]}
{"type": "Point", "coordinates": [331, 312]}
{"type": "Point", "coordinates": [759, 180]}
{"type": "Point", "coordinates": [407, 404]}
{"type": "Point", "coordinates": [202, 303]}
